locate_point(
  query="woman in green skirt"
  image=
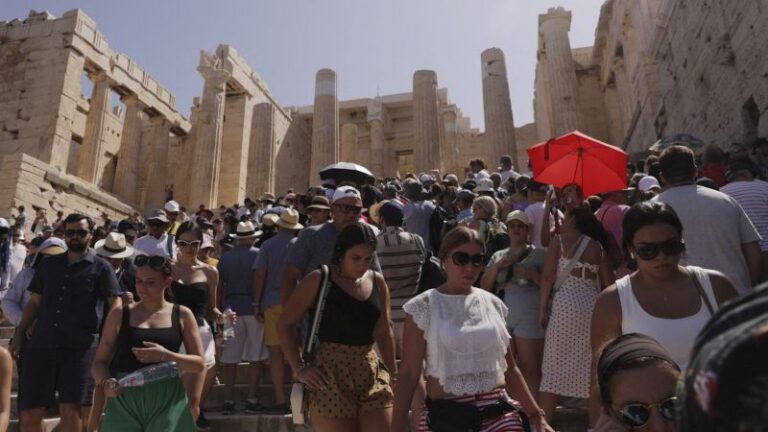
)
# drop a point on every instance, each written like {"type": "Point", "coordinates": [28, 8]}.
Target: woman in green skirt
{"type": "Point", "coordinates": [143, 333]}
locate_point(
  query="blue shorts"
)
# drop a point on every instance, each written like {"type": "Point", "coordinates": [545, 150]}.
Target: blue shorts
{"type": "Point", "coordinates": [523, 318]}
{"type": "Point", "coordinates": [48, 371]}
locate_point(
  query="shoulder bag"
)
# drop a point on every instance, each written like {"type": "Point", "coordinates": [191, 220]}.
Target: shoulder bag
{"type": "Point", "coordinates": [299, 408]}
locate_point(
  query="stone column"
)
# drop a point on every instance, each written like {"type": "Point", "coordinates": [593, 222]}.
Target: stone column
{"type": "Point", "coordinates": [261, 156]}
{"type": "Point", "coordinates": [235, 146]}
{"type": "Point", "coordinates": [325, 124]}
{"type": "Point", "coordinates": [425, 121]}
{"type": "Point", "coordinates": [376, 123]}
{"type": "Point", "coordinates": [127, 174]}
{"type": "Point", "coordinates": [89, 163]}
{"type": "Point", "coordinates": [450, 141]}
{"type": "Point", "coordinates": [561, 73]}
{"type": "Point", "coordinates": [157, 182]}
{"type": "Point", "coordinates": [204, 183]}
{"type": "Point", "coordinates": [499, 124]}
{"type": "Point", "coordinates": [348, 145]}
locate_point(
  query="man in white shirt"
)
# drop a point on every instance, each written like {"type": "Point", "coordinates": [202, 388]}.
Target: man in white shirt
{"type": "Point", "coordinates": [157, 241]}
{"type": "Point", "coordinates": [717, 233]}
{"type": "Point", "coordinates": [537, 192]}
{"type": "Point", "coordinates": [506, 170]}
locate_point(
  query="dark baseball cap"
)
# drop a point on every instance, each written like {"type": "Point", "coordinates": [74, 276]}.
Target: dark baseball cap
{"type": "Point", "coordinates": [127, 227]}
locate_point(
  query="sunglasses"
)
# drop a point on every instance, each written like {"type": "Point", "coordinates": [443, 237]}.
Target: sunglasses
{"type": "Point", "coordinates": [637, 414]}
{"type": "Point", "coordinates": [78, 232]}
{"type": "Point", "coordinates": [649, 251]}
{"type": "Point", "coordinates": [155, 262]}
{"type": "Point", "coordinates": [462, 258]}
{"type": "Point", "coordinates": [183, 243]}
{"type": "Point", "coordinates": [348, 208]}
{"type": "Point", "coordinates": [155, 223]}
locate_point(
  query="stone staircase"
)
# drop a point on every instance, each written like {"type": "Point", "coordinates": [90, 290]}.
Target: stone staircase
{"type": "Point", "coordinates": [566, 420]}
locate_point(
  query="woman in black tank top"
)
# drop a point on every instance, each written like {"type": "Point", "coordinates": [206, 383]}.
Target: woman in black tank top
{"type": "Point", "coordinates": [150, 331]}
{"type": "Point", "coordinates": [348, 384]}
{"type": "Point", "coordinates": [194, 286]}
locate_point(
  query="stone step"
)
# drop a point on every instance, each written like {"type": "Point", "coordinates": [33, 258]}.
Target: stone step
{"type": "Point", "coordinates": [49, 425]}
{"type": "Point", "coordinates": [256, 422]}
{"type": "Point", "coordinates": [266, 395]}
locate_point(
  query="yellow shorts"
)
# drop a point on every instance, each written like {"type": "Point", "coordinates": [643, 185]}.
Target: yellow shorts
{"type": "Point", "coordinates": [271, 316]}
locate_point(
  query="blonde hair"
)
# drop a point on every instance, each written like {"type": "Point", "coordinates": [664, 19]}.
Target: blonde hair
{"type": "Point", "coordinates": [457, 237]}
{"type": "Point", "coordinates": [486, 204]}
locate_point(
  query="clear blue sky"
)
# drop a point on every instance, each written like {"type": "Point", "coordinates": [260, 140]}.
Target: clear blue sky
{"type": "Point", "coordinates": [370, 44]}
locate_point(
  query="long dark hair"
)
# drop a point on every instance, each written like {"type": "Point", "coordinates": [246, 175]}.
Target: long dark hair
{"type": "Point", "coordinates": [648, 213]}
{"type": "Point", "coordinates": [587, 224]}
{"type": "Point", "coordinates": [192, 227]}
{"type": "Point", "coordinates": [352, 235]}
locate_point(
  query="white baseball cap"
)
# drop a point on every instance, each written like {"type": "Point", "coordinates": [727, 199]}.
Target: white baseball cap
{"type": "Point", "coordinates": [346, 192]}
{"type": "Point", "coordinates": [647, 183]}
{"type": "Point", "coordinates": [172, 206]}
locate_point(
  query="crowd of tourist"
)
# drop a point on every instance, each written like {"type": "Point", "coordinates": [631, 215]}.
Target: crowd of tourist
{"type": "Point", "coordinates": [479, 304]}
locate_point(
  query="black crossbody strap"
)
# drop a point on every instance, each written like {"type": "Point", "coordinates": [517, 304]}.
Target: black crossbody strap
{"type": "Point", "coordinates": [322, 295]}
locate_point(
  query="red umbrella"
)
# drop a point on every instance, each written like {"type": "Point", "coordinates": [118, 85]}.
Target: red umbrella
{"type": "Point", "coordinates": [577, 158]}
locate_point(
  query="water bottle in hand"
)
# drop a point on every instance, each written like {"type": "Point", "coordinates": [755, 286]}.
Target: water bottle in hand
{"type": "Point", "coordinates": [150, 374]}
{"type": "Point", "coordinates": [229, 324]}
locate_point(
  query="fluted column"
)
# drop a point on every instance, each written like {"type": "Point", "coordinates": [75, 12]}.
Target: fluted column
{"type": "Point", "coordinates": [561, 73]}
{"type": "Point", "coordinates": [348, 145]}
{"type": "Point", "coordinates": [427, 155]}
{"type": "Point", "coordinates": [154, 194]}
{"type": "Point", "coordinates": [204, 184]}
{"type": "Point", "coordinates": [235, 146]}
{"type": "Point", "coordinates": [90, 159]}
{"type": "Point", "coordinates": [261, 156]}
{"type": "Point", "coordinates": [325, 124]}
{"type": "Point", "coordinates": [450, 141]}
{"type": "Point", "coordinates": [127, 172]}
{"type": "Point", "coordinates": [376, 123]}
{"type": "Point", "coordinates": [497, 106]}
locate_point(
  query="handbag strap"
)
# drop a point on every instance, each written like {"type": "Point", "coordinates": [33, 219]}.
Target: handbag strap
{"type": "Point", "coordinates": [700, 289]}
{"type": "Point", "coordinates": [574, 259]}
{"type": "Point", "coordinates": [325, 282]}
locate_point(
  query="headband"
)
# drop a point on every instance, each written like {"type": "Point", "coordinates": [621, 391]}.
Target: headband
{"type": "Point", "coordinates": [629, 347]}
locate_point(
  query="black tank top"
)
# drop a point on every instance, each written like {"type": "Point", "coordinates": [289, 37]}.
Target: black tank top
{"type": "Point", "coordinates": [347, 320]}
{"type": "Point", "coordinates": [194, 296]}
{"type": "Point", "coordinates": [133, 337]}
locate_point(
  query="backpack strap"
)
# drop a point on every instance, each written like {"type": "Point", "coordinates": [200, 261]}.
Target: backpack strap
{"type": "Point", "coordinates": [324, 288]}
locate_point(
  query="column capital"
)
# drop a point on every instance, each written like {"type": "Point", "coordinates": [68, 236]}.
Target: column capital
{"type": "Point", "coordinates": [98, 76]}
{"type": "Point", "coordinates": [160, 121]}
{"type": "Point", "coordinates": [375, 110]}
{"type": "Point", "coordinates": [132, 100]}
{"type": "Point", "coordinates": [558, 16]}
{"type": "Point", "coordinates": [215, 76]}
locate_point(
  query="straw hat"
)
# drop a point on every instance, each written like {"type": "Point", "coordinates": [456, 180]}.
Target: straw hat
{"type": "Point", "coordinates": [246, 230]}
{"type": "Point", "coordinates": [289, 219]}
{"type": "Point", "coordinates": [319, 202]}
{"type": "Point", "coordinates": [113, 246]}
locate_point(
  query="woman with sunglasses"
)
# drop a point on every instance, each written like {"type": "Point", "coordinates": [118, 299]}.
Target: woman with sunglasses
{"type": "Point", "coordinates": [662, 299]}
{"type": "Point", "coordinates": [637, 379]}
{"type": "Point", "coordinates": [349, 386]}
{"type": "Point", "coordinates": [150, 331]}
{"type": "Point", "coordinates": [460, 333]}
{"type": "Point", "coordinates": [194, 286]}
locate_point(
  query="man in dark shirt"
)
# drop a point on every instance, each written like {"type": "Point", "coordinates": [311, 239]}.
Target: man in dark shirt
{"type": "Point", "coordinates": [68, 293]}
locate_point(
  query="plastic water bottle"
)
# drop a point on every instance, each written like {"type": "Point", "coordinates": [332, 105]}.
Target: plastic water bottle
{"type": "Point", "coordinates": [150, 374]}
{"type": "Point", "coordinates": [229, 326]}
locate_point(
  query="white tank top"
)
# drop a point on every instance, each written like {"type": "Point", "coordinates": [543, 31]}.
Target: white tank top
{"type": "Point", "coordinates": [675, 335]}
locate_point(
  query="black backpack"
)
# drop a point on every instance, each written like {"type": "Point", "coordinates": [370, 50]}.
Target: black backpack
{"type": "Point", "coordinates": [440, 223]}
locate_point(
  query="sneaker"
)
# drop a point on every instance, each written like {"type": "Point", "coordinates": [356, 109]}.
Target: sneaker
{"type": "Point", "coordinates": [202, 423]}
{"type": "Point", "coordinates": [254, 407]}
{"type": "Point", "coordinates": [228, 408]}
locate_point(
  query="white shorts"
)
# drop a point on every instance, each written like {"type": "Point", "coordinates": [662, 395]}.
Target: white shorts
{"type": "Point", "coordinates": [209, 346]}
{"type": "Point", "coordinates": [248, 343]}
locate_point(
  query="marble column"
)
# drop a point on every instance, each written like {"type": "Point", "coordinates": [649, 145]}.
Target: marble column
{"type": "Point", "coordinates": [561, 72]}
{"type": "Point", "coordinates": [90, 160]}
{"type": "Point", "coordinates": [261, 156]}
{"type": "Point", "coordinates": [325, 124]}
{"type": "Point", "coordinates": [204, 183]}
{"type": "Point", "coordinates": [348, 145]}
{"type": "Point", "coordinates": [425, 121]}
{"type": "Point", "coordinates": [157, 182]}
{"type": "Point", "coordinates": [235, 146]}
{"type": "Point", "coordinates": [376, 123]}
{"type": "Point", "coordinates": [127, 173]}
{"type": "Point", "coordinates": [497, 106]}
{"type": "Point", "coordinates": [450, 141]}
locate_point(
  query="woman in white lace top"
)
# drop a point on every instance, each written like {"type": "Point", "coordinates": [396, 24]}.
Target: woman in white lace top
{"type": "Point", "coordinates": [456, 335]}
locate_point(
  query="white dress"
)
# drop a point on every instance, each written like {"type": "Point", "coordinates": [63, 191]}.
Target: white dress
{"type": "Point", "coordinates": [567, 349]}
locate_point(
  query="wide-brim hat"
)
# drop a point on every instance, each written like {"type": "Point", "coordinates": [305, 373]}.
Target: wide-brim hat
{"type": "Point", "coordinates": [289, 219]}
{"type": "Point", "coordinates": [484, 185]}
{"type": "Point", "coordinates": [113, 246]}
{"type": "Point", "coordinates": [270, 197]}
{"type": "Point", "coordinates": [246, 230]}
{"type": "Point", "coordinates": [270, 219]}
{"type": "Point", "coordinates": [319, 203]}
{"type": "Point", "coordinates": [158, 214]}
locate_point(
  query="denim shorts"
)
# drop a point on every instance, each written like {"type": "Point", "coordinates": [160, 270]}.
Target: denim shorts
{"type": "Point", "coordinates": [523, 304]}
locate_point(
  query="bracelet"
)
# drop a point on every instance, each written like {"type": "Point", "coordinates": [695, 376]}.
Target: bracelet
{"type": "Point", "coordinates": [539, 413]}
